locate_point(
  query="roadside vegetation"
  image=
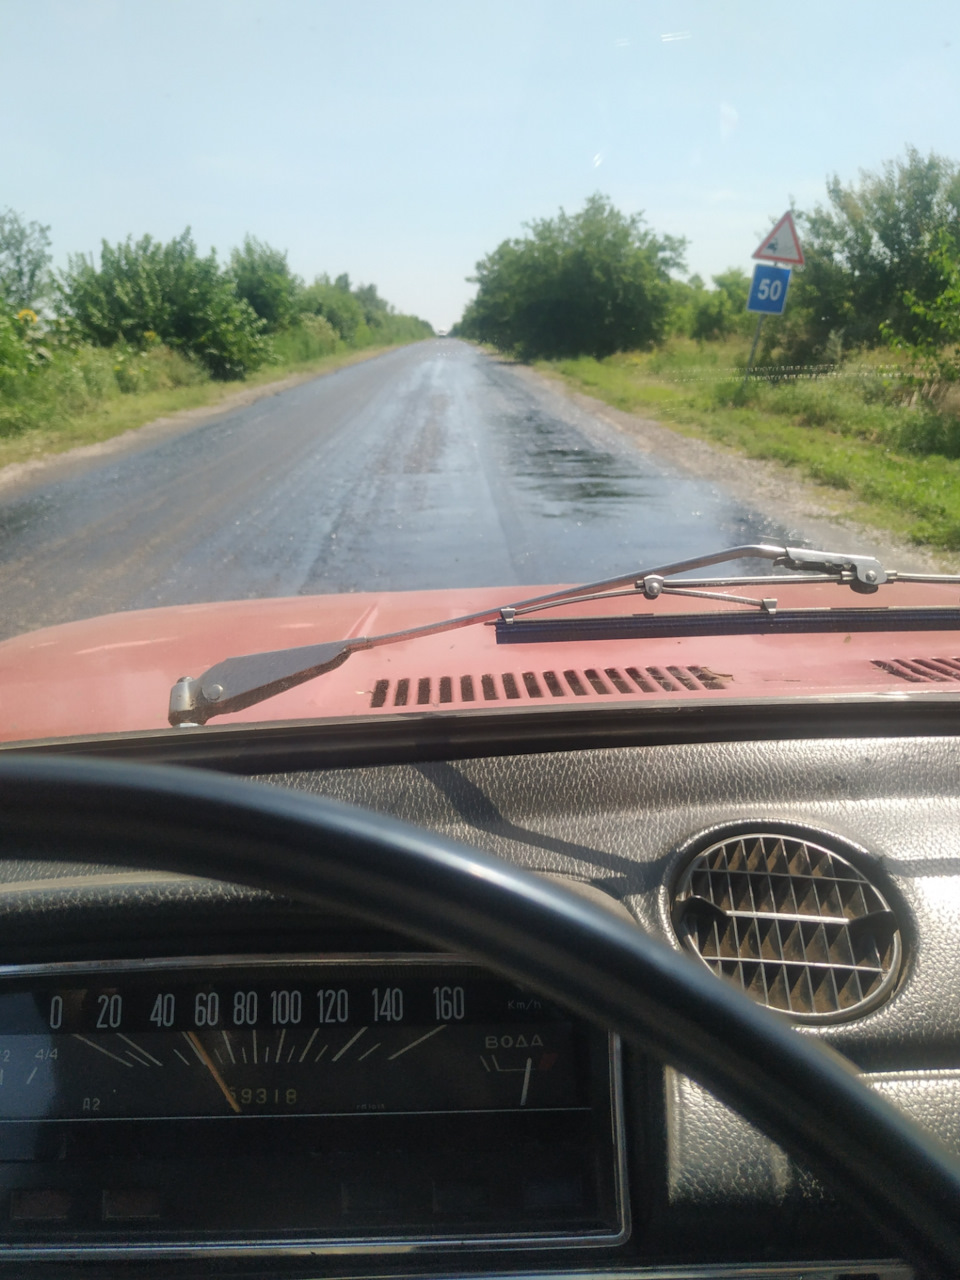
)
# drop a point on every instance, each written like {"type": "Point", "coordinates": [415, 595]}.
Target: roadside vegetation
{"type": "Point", "coordinates": [857, 386]}
{"type": "Point", "coordinates": [151, 328]}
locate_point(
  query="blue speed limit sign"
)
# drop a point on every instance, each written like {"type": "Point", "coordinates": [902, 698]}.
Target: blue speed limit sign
{"type": "Point", "coordinates": [768, 293]}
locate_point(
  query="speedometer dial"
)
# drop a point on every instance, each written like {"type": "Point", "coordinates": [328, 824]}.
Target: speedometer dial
{"type": "Point", "coordinates": [333, 1041]}
{"type": "Point", "coordinates": [373, 1099]}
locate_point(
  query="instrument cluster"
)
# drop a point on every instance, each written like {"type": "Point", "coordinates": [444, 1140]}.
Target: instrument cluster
{"type": "Point", "coordinates": [373, 1102]}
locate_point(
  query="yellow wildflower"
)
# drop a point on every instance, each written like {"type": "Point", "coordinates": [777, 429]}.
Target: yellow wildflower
{"type": "Point", "coordinates": [27, 314]}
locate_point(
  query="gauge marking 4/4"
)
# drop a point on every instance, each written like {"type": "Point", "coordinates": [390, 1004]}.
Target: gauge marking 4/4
{"type": "Point", "coordinates": [251, 1042]}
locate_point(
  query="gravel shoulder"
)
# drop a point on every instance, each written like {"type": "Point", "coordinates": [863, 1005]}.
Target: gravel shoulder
{"type": "Point", "coordinates": [771, 489]}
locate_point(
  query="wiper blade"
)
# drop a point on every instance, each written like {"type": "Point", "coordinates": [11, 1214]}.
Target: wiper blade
{"type": "Point", "coordinates": [237, 683]}
{"type": "Point", "coordinates": [649, 626]}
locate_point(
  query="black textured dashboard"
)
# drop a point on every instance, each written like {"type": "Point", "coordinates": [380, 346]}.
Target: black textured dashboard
{"type": "Point", "coordinates": [618, 820]}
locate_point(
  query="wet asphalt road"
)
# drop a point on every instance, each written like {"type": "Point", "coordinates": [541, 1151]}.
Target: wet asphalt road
{"type": "Point", "coordinates": [429, 466]}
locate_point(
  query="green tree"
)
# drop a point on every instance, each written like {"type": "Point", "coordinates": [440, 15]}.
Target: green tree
{"type": "Point", "coordinates": [147, 289]}
{"type": "Point", "coordinates": [375, 309]}
{"type": "Point", "coordinates": [936, 353]}
{"type": "Point", "coordinates": [683, 297]}
{"type": "Point", "coordinates": [589, 283]}
{"type": "Point", "coordinates": [336, 304]}
{"type": "Point", "coordinates": [866, 249]}
{"type": "Point", "coordinates": [736, 285]}
{"type": "Point", "coordinates": [263, 277]}
{"type": "Point", "coordinates": [707, 314]}
{"type": "Point", "coordinates": [711, 315]}
{"type": "Point", "coordinates": [14, 352]}
{"type": "Point", "coordinates": [24, 260]}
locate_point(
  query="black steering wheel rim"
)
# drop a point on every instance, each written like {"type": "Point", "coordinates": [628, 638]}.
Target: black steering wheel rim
{"type": "Point", "coordinates": [531, 930]}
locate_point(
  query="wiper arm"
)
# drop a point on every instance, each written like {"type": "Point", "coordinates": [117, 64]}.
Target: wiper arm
{"type": "Point", "coordinates": [237, 683]}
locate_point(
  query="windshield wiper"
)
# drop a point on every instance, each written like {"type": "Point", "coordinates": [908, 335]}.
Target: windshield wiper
{"type": "Point", "coordinates": [237, 683]}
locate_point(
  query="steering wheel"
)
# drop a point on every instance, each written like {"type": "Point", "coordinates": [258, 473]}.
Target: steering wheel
{"type": "Point", "coordinates": [525, 928]}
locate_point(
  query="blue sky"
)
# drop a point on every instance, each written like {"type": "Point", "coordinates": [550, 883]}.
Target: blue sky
{"type": "Point", "coordinates": [402, 141]}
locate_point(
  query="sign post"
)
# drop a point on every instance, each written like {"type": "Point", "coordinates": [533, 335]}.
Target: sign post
{"type": "Point", "coordinates": [768, 291]}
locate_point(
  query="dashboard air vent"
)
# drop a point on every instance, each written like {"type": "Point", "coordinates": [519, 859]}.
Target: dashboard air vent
{"type": "Point", "coordinates": [792, 923]}
{"type": "Point", "coordinates": [922, 670]}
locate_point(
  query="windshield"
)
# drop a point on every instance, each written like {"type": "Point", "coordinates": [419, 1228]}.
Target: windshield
{"type": "Point", "coordinates": [309, 303]}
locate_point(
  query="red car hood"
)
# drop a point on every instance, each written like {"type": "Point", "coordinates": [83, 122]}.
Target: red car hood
{"type": "Point", "coordinates": [113, 674]}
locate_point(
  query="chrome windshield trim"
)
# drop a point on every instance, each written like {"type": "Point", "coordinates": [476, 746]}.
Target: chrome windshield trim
{"type": "Point", "coordinates": [837, 1269]}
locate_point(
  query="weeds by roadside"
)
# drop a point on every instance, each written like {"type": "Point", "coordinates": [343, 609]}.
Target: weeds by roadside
{"type": "Point", "coordinates": [78, 381]}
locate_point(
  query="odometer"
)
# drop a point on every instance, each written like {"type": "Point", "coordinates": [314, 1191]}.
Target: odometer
{"type": "Point", "coordinates": [375, 1098]}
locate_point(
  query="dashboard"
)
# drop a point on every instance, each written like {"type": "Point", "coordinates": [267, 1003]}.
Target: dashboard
{"type": "Point", "coordinates": [193, 1071]}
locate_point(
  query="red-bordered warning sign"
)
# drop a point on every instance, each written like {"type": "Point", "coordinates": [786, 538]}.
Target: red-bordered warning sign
{"type": "Point", "coordinates": [782, 244]}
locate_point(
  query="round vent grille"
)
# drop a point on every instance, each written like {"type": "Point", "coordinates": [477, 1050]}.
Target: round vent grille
{"type": "Point", "coordinates": [796, 925]}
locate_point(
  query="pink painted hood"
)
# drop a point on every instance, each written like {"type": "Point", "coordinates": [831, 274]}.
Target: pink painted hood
{"type": "Point", "coordinates": [113, 674]}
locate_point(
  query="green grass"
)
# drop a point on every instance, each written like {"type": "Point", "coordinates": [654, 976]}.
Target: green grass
{"type": "Point", "coordinates": [896, 463]}
{"type": "Point", "coordinates": [93, 394]}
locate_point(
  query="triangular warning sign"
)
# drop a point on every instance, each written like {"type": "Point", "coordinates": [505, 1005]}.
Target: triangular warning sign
{"type": "Point", "coordinates": [782, 244]}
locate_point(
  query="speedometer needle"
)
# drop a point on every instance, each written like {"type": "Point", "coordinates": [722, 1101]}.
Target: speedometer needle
{"type": "Point", "coordinates": [208, 1062]}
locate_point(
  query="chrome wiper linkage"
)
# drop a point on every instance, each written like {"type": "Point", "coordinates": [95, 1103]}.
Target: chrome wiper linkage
{"type": "Point", "coordinates": [237, 683]}
{"type": "Point", "coordinates": [862, 573]}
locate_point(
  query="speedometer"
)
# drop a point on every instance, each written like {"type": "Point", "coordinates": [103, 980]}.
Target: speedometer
{"type": "Point", "coordinates": [238, 1104]}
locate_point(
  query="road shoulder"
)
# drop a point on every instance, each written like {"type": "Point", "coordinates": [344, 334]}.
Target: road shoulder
{"type": "Point", "coordinates": [774, 490]}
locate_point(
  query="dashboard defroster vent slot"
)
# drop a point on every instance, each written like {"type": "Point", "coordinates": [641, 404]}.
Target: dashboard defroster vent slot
{"type": "Point", "coordinates": [542, 686]}
{"type": "Point", "coordinates": [794, 924]}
